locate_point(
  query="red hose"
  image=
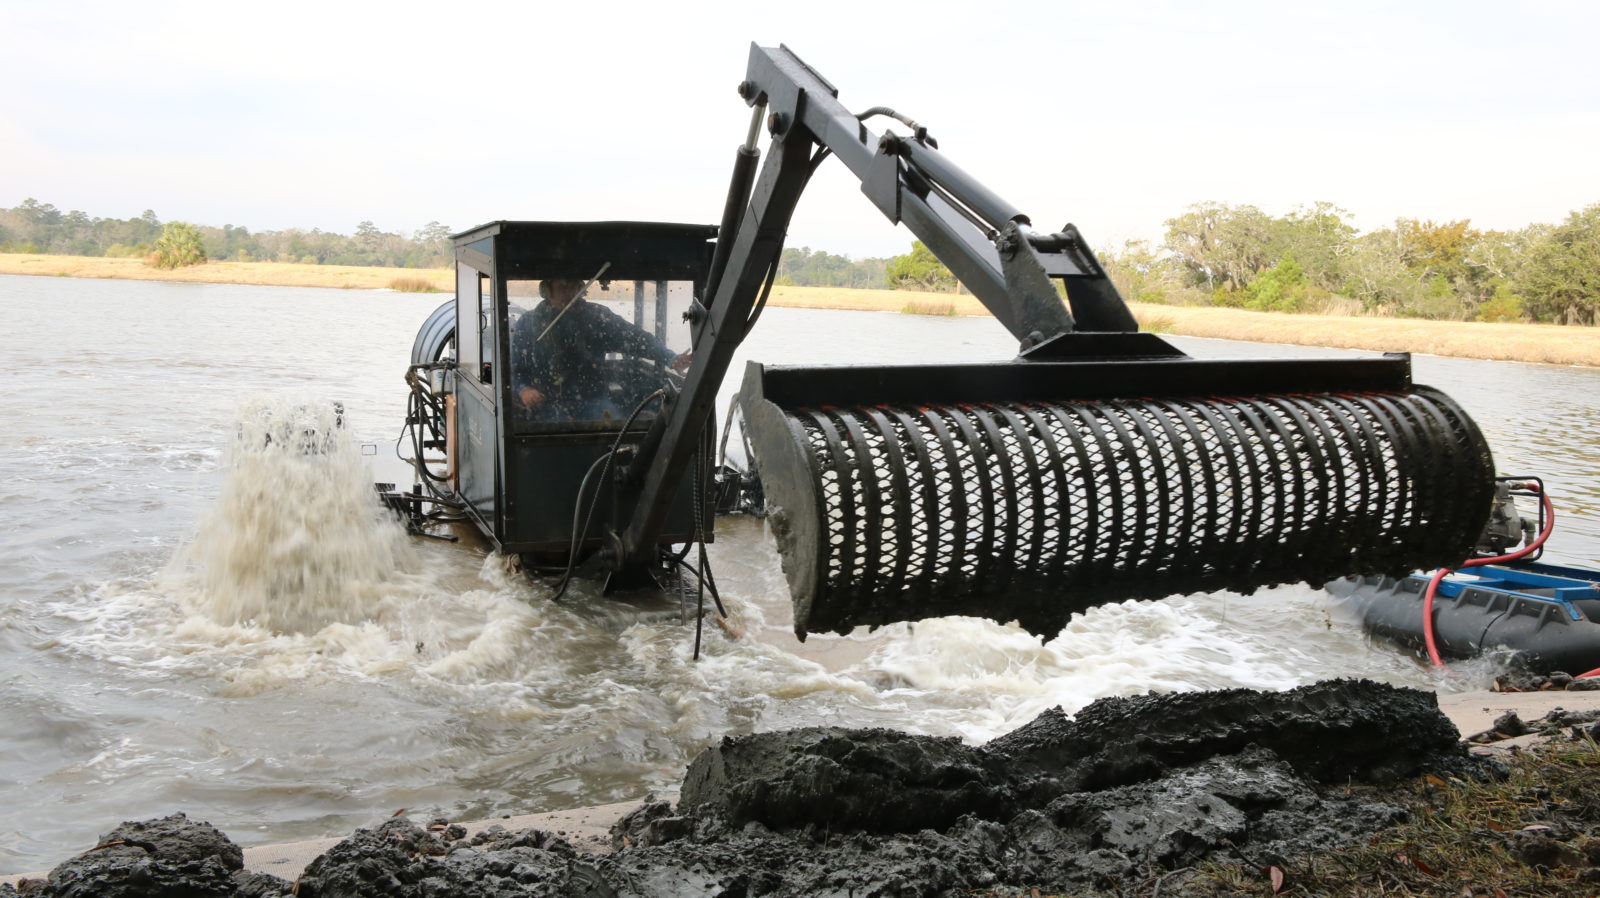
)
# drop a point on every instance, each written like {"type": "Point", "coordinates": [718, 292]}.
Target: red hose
{"type": "Point", "coordinates": [1441, 573]}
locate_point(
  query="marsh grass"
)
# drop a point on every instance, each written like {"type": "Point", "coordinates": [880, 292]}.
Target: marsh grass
{"type": "Point", "coordinates": [873, 300]}
{"type": "Point", "coordinates": [1541, 343]}
{"type": "Point", "coordinates": [275, 274]}
{"type": "Point", "coordinates": [413, 285]}
{"type": "Point", "coordinates": [924, 307]}
{"type": "Point", "coordinates": [1155, 324]}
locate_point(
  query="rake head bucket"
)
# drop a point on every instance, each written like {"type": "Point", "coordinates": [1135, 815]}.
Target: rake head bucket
{"type": "Point", "coordinates": [1029, 491]}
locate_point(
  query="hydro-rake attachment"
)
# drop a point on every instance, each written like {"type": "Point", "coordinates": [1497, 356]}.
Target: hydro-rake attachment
{"type": "Point", "coordinates": [892, 506]}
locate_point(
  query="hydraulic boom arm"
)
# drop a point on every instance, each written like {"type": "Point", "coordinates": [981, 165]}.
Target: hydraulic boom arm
{"type": "Point", "coordinates": [986, 242]}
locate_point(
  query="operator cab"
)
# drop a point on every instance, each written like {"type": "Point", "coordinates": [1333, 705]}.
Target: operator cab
{"type": "Point", "coordinates": [586, 353]}
{"type": "Point", "coordinates": [564, 334]}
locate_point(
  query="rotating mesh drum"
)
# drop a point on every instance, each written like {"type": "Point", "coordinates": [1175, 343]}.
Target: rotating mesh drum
{"type": "Point", "coordinates": [1034, 510]}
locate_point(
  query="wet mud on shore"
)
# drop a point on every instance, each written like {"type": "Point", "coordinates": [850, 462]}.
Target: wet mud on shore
{"type": "Point", "coordinates": [1129, 791]}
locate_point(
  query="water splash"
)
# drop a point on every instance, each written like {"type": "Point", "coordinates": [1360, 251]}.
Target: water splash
{"type": "Point", "coordinates": [297, 539]}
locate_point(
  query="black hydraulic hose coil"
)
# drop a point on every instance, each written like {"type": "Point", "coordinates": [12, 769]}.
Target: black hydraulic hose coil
{"type": "Point", "coordinates": [1031, 511]}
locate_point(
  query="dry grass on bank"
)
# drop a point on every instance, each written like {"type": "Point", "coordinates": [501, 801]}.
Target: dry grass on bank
{"type": "Point", "coordinates": [1545, 343]}
{"type": "Point", "coordinates": [927, 307]}
{"type": "Point", "coordinates": [1542, 343]}
{"type": "Point", "coordinates": [909, 301]}
{"type": "Point", "coordinates": [273, 274]}
{"type": "Point", "coordinates": [414, 284]}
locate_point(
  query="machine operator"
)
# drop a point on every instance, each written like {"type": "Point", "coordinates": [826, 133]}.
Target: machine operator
{"type": "Point", "coordinates": [559, 350]}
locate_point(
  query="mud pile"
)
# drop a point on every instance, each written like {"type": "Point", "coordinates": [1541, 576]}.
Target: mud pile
{"type": "Point", "coordinates": [170, 856]}
{"type": "Point", "coordinates": [1129, 791]}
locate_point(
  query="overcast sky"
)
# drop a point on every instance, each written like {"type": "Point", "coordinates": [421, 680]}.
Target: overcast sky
{"type": "Point", "coordinates": [1114, 116]}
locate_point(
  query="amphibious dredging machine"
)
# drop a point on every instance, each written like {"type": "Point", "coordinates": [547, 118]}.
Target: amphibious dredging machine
{"type": "Point", "coordinates": [1099, 464]}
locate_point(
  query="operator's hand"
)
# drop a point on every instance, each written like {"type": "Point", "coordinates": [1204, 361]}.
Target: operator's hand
{"type": "Point", "coordinates": [681, 363]}
{"type": "Point", "coordinates": [530, 398]}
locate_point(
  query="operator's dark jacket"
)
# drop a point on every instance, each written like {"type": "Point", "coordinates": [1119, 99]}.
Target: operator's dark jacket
{"type": "Point", "coordinates": [566, 365]}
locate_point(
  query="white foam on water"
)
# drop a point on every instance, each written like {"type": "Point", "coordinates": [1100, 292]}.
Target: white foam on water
{"type": "Point", "coordinates": [297, 575]}
{"type": "Point", "coordinates": [481, 650]}
{"type": "Point", "coordinates": [297, 539]}
{"type": "Point", "coordinates": [1004, 676]}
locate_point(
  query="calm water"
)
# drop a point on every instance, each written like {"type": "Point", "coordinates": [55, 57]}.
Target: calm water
{"type": "Point", "coordinates": [133, 541]}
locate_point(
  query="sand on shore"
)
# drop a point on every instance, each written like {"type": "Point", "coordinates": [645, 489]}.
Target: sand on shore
{"type": "Point", "coordinates": [1537, 343]}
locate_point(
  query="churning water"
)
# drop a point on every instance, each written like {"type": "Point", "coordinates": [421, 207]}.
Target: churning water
{"type": "Point", "coordinates": [294, 542]}
{"type": "Point", "coordinates": [202, 609]}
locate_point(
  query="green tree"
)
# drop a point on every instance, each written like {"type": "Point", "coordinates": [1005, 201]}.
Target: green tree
{"type": "Point", "coordinates": [368, 238]}
{"type": "Point", "coordinates": [432, 247]}
{"type": "Point", "coordinates": [39, 214]}
{"type": "Point", "coordinates": [229, 242]}
{"type": "Point", "coordinates": [1223, 247]}
{"type": "Point", "coordinates": [1437, 249]}
{"type": "Point", "coordinates": [1143, 275]}
{"type": "Point", "coordinates": [1320, 240]}
{"type": "Point", "coordinates": [1560, 281]}
{"type": "Point", "coordinates": [1281, 288]}
{"type": "Point", "coordinates": [1502, 305]}
{"type": "Point", "coordinates": [804, 268]}
{"type": "Point", "coordinates": [1496, 256]}
{"type": "Point", "coordinates": [920, 269]}
{"type": "Point", "coordinates": [1381, 272]}
{"type": "Point", "coordinates": [179, 245]}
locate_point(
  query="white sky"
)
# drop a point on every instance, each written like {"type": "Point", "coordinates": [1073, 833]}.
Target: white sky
{"type": "Point", "coordinates": [1115, 116]}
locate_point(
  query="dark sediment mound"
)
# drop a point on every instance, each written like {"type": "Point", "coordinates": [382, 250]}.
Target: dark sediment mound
{"type": "Point", "coordinates": [172, 856]}
{"type": "Point", "coordinates": [1127, 792]}
{"type": "Point", "coordinates": [873, 780]}
{"type": "Point", "coordinates": [401, 858]}
{"type": "Point", "coordinates": [1329, 732]}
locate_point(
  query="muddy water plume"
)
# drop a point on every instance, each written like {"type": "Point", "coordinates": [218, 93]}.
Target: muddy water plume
{"type": "Point", "coordinates": [296, 539]}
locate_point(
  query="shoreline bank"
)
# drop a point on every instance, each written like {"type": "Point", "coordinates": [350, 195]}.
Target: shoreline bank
{"type": "Point", "coordinates": [1532, 343]}
{"type": "Point", "coordinates": [1337, 759]}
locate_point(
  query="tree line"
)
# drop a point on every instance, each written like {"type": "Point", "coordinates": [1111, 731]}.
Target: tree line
{"type": "Point", "coordinates": [35, 227]}
{"type": "Point", "coordinates": [918, 269]}
{"type": "Point", "coordinates": [804, 267]}
{"type": "Point", "coordinates": [1314, 260]}
{"type": "Point", "coordinates": [1310, 260]}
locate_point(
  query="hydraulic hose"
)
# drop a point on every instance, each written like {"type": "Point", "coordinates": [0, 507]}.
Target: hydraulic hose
{"type": "Point", "coordinates": [1439, 575]}
{"type": "Point", "coordinates": [580, 533]}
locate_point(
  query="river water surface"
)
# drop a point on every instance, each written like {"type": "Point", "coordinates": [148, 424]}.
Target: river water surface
{"type": "Point", "coordinates": [135, 680]}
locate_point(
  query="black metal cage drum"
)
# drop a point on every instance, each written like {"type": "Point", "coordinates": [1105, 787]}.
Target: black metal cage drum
{"type": "Point", "coordinates": [1035, 510]}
